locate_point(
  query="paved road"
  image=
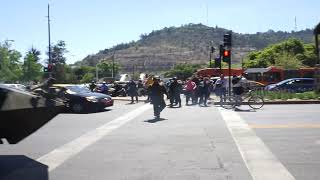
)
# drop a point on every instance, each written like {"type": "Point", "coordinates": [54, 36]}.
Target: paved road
{"type": "Point", "coordinates": [292, 132]}
{"type": "Point", "coordinates": [124, 142]}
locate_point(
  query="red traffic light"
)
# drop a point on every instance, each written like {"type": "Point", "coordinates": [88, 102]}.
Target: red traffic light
{"type": "Point", "coordinates": [50, 66]}
{"type": "Point", "coordinates": [226, 53]}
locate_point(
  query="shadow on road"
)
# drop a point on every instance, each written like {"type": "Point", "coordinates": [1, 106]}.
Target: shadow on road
{"type": "Point", "coordinates": [17, 167]}
{"type": "Point", "coordinates": [155, 120]}
{"type": "Point", "coordinates": [87, 112]}
{"type": "Point", "coordinates": [131, 103]}
{"type": "Point", "coordinates": [244, 110]}
{"type": "Point", "coordinates": [173, 107]}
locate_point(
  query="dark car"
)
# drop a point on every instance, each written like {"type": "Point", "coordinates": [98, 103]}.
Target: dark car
{"type": "Point", "coordinates": [296, 85]}
{"type": "Point", "coordinates": [80, 99]}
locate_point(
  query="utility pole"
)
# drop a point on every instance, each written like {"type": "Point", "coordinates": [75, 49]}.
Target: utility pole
{"type": "Point", "coordinates": [49, 37]}
{"type": "Point", "coordinates": [210, 64]}
{"type": "Point", "coordinates": [113, 69]}
{"type": "Point", "coordinates": [316, 37]}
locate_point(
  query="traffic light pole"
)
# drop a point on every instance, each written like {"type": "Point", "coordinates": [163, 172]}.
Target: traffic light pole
{"type": "Point", "coordinates": [316, 38]}
{"type": "Point", "coordinates": [210, 64]}
{"type": "Point", "coordinates": [212, 49]}
{"type": "Point", "coordinates": [227, 43]}
{"type": "Point", "coordinates": [229, 64]}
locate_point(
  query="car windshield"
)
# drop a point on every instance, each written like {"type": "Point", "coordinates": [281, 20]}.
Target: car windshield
{"type": "Point", "coordinates": [78, 89]}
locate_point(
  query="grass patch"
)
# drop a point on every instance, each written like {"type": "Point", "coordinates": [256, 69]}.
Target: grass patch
{"type": "Point", "coordinates": [286, 95]}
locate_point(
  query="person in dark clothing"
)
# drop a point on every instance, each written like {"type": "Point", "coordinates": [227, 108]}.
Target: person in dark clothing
{"type": "Point", "coordinates": [204, 90]}
{"type": "Point", "coordinates": [92, 86]}
{"type": "Point", "coordinates": [133, 91]}
{"type": "Point", "coordinates": [174, 91]}
{"type": "Point", "coordinates": [156, 94]}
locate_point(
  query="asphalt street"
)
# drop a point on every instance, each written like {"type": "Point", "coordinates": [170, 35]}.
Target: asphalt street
{"type": "Point", "coordinates": [192, 142]}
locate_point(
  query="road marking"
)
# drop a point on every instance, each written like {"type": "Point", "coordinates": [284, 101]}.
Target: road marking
{"type": "Point", "coordinates": [261, 163]}
{"type": "Point", "coordinates": [58, 156]}
{"type": "Point", "coordinates": [284, 126]}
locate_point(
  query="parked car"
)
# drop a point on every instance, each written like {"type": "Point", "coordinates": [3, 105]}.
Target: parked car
{"type": "Point", "coordinates": [79, 98]}
{"type": "Point", "coordinates": [296, 85]}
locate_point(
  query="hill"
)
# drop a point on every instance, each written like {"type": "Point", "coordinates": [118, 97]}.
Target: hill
{"type": "Point", "coordinates": [162, 49]}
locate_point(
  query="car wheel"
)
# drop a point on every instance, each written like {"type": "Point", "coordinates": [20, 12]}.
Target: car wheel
{"type": "Point", "coordinates": [77, 108]}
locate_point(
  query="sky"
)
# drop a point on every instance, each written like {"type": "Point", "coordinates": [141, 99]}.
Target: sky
{"type": "Point", "coordinates": [88, 26]}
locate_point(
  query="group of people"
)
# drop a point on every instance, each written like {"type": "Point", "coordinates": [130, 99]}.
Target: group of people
{"type": "Point", "coordinates": [197, 90]}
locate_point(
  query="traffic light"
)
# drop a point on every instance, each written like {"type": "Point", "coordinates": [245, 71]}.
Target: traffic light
{"type": "Point", "coordinates": [48, 68]}
{"type": "Point", "coordinates": [226, 55]}
{"type": "Point", "coordinates": [227, 40]}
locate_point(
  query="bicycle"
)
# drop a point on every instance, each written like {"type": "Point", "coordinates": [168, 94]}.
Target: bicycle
{"type": "Point", "coordinates": [254, 100]}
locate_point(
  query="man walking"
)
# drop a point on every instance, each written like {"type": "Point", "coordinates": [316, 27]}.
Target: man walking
{"type": "Point", "coordinates": [156, 93]}
{"type": "Point", "coordinates": [204, 91]}
{"type": "Point", "coordinates": [174, 91]}
{"type": "Point", "coordinates": [133, 91]}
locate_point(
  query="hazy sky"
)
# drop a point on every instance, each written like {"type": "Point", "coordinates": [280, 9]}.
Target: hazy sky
{"type": "Point", "coordinates": [88, 26]}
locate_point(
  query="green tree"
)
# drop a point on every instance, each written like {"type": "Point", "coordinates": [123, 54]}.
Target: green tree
{"type": "Point", "coordinates": [289, 51]}
{"type": "Point", "coordinates": [105, 68]}
{"type": "Point", "coordinates": [10, 65]}
{"type": "Point", "coordinates": [288, 61]}
{"type": "Point", "coordinates": [58, 60]}
{"type": "Point", "coordinates": [31, 67]}
{"type": "Point", "coordinates": [80, 71]}
{"type": "Point", "coordinates": [57, 53]}
{"type": "Point", "coordinates": [309, 56]}
{"type": "Point", "coordinates": [88, 77]}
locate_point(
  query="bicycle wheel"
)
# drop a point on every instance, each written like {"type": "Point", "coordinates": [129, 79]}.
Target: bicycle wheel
{"type": "Point", "coordinates": [256, 102]}
{"type": "Point", "coordinates": [228, 103]}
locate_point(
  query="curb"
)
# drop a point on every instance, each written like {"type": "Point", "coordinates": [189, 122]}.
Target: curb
{"type": "Point", "coordinates": [266, 102]}
{"type": "Point", "coordinates": [292, 102]}
{"type": "Point", "coordinates": [284, 102]}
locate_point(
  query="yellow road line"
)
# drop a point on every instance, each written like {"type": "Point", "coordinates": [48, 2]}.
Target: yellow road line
{"type": "Point", "coordinates": [284, 126]}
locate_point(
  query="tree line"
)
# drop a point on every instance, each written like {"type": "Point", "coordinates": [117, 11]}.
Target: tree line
{"type": "Point", "coordinates": [289, 54]}
{"type": "Point", "coordinates": [17, 69]}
